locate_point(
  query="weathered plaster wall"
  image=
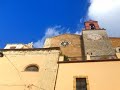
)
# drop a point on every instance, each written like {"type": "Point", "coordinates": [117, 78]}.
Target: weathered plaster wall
{"type": "Point", "coordinates": [12, 78]}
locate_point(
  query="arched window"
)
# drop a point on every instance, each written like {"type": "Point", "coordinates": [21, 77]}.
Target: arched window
{"type": "Point", "coordinates": [92, 26]}
{"type": "Point", "coordinates": [32, 68]}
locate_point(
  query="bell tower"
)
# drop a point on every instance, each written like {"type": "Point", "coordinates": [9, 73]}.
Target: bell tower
{"type": "Point", "coordinates": [96, 42]}
{"type": "Point", "coordinates": [91, 25]}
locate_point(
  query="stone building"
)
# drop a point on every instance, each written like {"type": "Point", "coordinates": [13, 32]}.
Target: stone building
{"type": "Point", "coordinates": [28, 69]}
{"type": "Point", "coordinates": [94, 43]}
{"type": "Point", "coordinates": [90, 61]}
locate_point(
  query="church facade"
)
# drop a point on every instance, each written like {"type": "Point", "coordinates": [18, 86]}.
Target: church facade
{"type": "Point", "coordinates": [90, 61]}
{"type": "Point", "coordinates": [94, 43]}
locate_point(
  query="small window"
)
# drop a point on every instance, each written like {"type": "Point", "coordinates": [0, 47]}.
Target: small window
{"type": "Point", "coordinates": [92, 26]}
{"type": "Point", "coordinates": [64, 43]}
{"type": "Point", "coordinates": [32, 68]}
{"type": "Point", "coordinates": [1, 54]}
{"type": "Point", "coordinates": [81, 84]}
{"type": "Point", "coordinates": [89, 53]}
{"type": "Point", "coordinates": [12, 47]}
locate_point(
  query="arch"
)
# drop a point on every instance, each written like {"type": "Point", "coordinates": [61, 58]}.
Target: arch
{"type": "Point", "coordinates": [92, 26]}
{"type": "Point", "coordinates": [32, 68]}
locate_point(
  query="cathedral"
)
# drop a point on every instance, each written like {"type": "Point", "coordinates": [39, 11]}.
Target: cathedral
{"type": "Point", "coordinates": [93, 44]}
{"type": "Point", "coordinates": [89, 61]}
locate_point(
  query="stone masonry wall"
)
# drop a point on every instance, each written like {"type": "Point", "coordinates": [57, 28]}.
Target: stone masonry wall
{"type": "Point", "coordinates": [98, 47]}
{"type": "Point", "coordinates": [72, 50]}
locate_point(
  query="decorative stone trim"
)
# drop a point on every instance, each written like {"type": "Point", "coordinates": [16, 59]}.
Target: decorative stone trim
{"type": "Point", "coordinates": [35, 52]}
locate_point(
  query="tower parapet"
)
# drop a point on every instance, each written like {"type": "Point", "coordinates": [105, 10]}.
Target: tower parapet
{"type": "Point", "coordinates": [91, 25]}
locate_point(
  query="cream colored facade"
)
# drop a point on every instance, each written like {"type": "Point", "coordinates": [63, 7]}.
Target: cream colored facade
{"type": "Point", "coordinates": [12, 69]}
{"type": "Point", "coordinates": [55, 73]}
{"type": "Point", "coordinates": [100, 75]}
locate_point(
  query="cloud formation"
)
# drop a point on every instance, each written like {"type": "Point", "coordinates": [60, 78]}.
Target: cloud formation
{"type": "Point", "coordinates": [50, 32]}
{"type": "Point", "coordinates": [107, 12]}
{"type": "Point", "coordinates": [54, 31]}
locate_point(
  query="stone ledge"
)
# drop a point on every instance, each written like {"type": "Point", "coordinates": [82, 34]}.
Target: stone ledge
{"type": "Point", "coordinates": [37, 51]}
{"type": "Point", "coordinates": [31, 49]}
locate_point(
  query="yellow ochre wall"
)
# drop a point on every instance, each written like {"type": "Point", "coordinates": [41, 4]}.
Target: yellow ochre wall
{"type": "Point", "coordinates": [100, 75]}
{"type": "Point", "coordinates": [12, 78]}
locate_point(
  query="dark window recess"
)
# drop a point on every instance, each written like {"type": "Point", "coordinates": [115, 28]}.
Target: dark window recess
{"type": "Point", "coordinates": [32, 68]}
{"type": "Point", "coordinates": [81, 84]}
{"type": "Point", "coordinates": [1, 54]}
{"type": "Point", "coordinates": [13, 47]}
{"type": "Point", "coordinates": [91, 53]}
{"type": "Point", "coordinates": [92, 26]}
{"type": "Point", "coordinates": [65, 43]}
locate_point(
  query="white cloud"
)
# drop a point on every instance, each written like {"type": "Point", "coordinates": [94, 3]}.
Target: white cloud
{"type": "Point", "coordinates": [107, 12]}
{"type": "Point", "coordinates": [78, 32]}
{"type": "Point", "coordinates": [80, 26]}
{"type": "Point", "coordinates": [50, 32]}
{"type": "Point", "coordinates": [39, 43]}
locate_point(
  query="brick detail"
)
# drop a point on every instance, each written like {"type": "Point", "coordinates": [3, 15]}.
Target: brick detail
{"type": "Point", "coordinates": [87, 24]}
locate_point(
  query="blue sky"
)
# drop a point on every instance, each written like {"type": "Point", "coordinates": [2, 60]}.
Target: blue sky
{"type": "Point", "coordinates": [25, 21]}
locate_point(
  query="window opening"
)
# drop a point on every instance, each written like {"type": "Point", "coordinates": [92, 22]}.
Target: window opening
{"type": "Point", "coordinates": [81, 84]}
{"type": "Point", "coordinates": [92, 26]}
{"type": "Point", "coordinates": [32, 68]}
{"type": "Point", "coordinates": [91, 53]}
{"type": "Point", "coordinates": [13, 47]}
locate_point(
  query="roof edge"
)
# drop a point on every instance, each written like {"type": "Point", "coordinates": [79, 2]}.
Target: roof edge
{"type": "Point", "coordinates": [31, 49]}
{"type": "Point", "coordinates": [64, 34]}
{"type": "Point", "coordinates": [87, 61]}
